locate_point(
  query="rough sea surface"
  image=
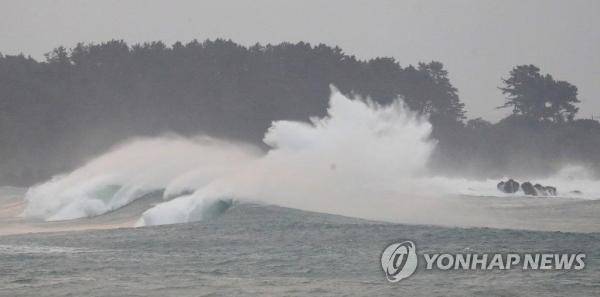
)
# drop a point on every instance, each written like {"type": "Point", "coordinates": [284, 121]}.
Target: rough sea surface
{"type": "Point", "coordinates": [260, 250]}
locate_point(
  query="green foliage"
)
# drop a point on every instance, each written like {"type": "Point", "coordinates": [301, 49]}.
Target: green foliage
{"type": "Point", "coordinates": [538, 96]}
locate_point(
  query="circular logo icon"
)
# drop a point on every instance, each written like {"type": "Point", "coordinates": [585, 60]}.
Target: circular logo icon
{"type": "Point", "coordinates": [399, 260]}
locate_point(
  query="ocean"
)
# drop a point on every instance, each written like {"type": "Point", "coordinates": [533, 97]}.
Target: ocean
{"type": "Point", "coordinates": [255, 249]}
{"type": "Point", "coordinates": [313, 215]}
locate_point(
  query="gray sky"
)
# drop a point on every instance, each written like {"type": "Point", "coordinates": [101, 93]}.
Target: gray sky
{"type": "Point", "coordinates": [478, 41]}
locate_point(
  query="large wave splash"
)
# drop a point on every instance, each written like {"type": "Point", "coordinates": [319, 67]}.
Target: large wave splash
{"type": "Point", "coordinates": [359, 153]}
{"type": "Point", "coordinates": [361, 160]}
{"type": "Point", "coordinates": [132, 170]}
{"type": "Point", "coordinates": [341, 163]}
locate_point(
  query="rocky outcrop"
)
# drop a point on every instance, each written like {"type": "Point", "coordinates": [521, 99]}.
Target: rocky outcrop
{"type": "Point", "coordinates": [545, 190]}
{"type": "Point", "coordinates": [551, 190]}
{"type": "Point", "coordinates": [528, 188]}
{"type": "Point", "coordinates": [510, 186]}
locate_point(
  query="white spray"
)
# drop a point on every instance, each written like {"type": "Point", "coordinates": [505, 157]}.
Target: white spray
{"type": "Point", "coordinates": [132, 170]}
{"type": "Point", "coordinates": [361, 160]}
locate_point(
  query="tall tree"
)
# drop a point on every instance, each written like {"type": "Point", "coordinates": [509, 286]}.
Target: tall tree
{"type": "Point", "coordinates": [538, 96]}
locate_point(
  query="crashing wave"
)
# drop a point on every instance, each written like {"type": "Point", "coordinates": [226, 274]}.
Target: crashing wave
{"type": "Point", "coordinates": [361, 160]}
{"type": "Point", "coordinates": [131, 171]}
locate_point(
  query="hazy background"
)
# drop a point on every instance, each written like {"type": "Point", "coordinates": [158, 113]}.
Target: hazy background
{"type": "Point", "coordinates": [478, 41]}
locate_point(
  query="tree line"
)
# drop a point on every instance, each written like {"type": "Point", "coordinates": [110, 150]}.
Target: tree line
{"type": "Point", "coordinates": [57, 113]}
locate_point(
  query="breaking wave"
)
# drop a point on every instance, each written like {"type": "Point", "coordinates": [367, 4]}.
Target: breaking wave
{"type": "Point", "coordinates": [361, 160]}
{"type": "Point", "coordinates": [133, 170]}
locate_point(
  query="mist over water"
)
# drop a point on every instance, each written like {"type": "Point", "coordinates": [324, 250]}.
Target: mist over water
{"type": "Point", "coordinates": [360, 160]}
{"type": "Point", "coordinates": [359, 153]}
{"type": "Point", "coordinates": [132, 170]}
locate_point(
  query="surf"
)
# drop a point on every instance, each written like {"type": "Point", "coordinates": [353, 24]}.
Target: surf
{"type": "Point", "coordinates": [361, 160]}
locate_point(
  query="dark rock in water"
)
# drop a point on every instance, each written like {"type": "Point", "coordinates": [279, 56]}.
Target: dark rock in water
{"type": "Point", "coordinates": [551, 191]}
{"type": "Point", "coordinates": [509, 186]}
{"type": "Point", "coordinates": [500, 186]}
{"type": "Point", "coordinates": [539, 189]}
{"type": "Point", "coordinates": [528, 189]}
{"type": "Point", "coordinates": [545, 190]}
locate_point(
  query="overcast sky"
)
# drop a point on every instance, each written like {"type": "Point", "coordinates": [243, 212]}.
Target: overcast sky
{"type": "Point", "coordinates": [478, 41]}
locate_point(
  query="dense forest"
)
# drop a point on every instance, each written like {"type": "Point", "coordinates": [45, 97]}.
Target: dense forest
{"type": "Point", "coordinates": [57, 113]}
